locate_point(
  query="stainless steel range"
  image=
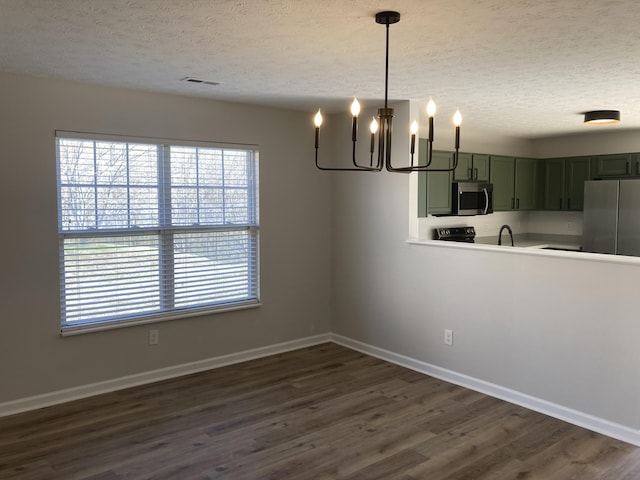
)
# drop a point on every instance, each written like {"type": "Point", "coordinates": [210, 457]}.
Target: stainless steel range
{"type": "Point", "coordinates": [455, 234]}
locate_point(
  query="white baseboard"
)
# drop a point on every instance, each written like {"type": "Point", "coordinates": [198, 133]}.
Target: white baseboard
{"type": "Point", "coordinates": [84, 391]}
{"type": "Point", "coordinates": [585, 420]}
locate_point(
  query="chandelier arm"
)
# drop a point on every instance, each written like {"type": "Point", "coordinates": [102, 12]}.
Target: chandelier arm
{"type": "Point", "coordinates": [357, 168]}
{"type": "Point", "coordinates": [362, 167]}
{"type": "Point", "coordinates": [429, 152]}
{"type": "Point", "coordinates": [381, 142]}
{"type": "Point", "coordinates": [423, 168]}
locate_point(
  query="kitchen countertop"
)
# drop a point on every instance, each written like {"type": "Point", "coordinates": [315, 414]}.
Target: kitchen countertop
{"type": "Point", "coordinates": [535, 240]}
{"type": "Point", "coordinates": [532, 244]}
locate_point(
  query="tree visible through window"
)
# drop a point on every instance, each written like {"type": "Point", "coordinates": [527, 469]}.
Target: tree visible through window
{"type": "Point", "coordinates": [151, 230]}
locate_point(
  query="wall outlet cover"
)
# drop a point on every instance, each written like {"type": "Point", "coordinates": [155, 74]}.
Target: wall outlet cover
{"type": "Point", "coordinates": [154, 336]}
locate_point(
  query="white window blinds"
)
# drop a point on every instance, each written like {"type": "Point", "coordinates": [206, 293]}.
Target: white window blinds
{"type": "Point", "coordinates": [154, 230]}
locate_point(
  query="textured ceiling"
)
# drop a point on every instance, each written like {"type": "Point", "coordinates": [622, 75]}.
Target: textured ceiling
{"type": "Point", "coordinates": [525, 68]}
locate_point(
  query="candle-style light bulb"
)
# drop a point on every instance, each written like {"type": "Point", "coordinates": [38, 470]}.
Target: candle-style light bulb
{"type": "Point", "coordinates": [457, 118]}
{"type": "Point", "coordinates": [373, 126]}
{"type": "Point", "coordinates": [457, 121]}
{"type": "Point", "coordinates": [355, 111]}
{"type": "Point", "coordinates": [318, 121]}
{"type": "Point", "coordinates": [414, 130]}
{"type": "Point", "coordinates": [431, 108]}
{"type": "Point", "coordinates": [355, 108]}
{"type": "Point", "coordinates": [431, 111]}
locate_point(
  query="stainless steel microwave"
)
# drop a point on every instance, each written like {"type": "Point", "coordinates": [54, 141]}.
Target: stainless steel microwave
{"type": "Point", "coordinates": [472, 198]}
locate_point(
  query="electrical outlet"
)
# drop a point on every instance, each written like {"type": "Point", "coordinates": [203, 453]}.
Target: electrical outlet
{"type": "Point", "coordinates": [448, 337]}
{"type": "Point", "coordinates": [154, 336]}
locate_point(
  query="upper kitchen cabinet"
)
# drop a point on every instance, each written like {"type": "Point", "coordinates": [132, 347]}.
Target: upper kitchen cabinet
{"type": "Point", "coordinates": [472, 167]}
{"type": "Point", "coordinates": [554, 184]}
{"type": "Point", "coordinates": [564, 182]}
{"type": "Point", "coordinates": [577, 171]}
{"type": "Point", "coordinates": [526, 182]}
{"type": "Point", "coordinates": [503, 179]}
{"type": "Point", "coordinates": [434, 188]}
{"type": "Point", "coordinates": [616, 165]}
{"type": "Point", "coordinates": [515, 183]}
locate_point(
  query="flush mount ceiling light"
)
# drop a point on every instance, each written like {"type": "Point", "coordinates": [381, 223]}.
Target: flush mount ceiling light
{"type": "Point", "coordinates": [602, 117]}
{"type": "Point", "coordinates": [382, 126]}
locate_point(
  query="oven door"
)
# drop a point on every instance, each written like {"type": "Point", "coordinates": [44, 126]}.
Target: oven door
{"type": "Point", "coordinates": [472, 198]}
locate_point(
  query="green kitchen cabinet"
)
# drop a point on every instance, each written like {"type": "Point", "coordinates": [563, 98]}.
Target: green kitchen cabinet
{"type": "Point", "coordinates": [434, 188]}
{"type": "Point", "coordinates": [503, 179]}
{"type": "Point", "coordinates": [564, 182]}
{"type": "Point", "coordinates": [554, 184]}
{"type": "Point", "coordinates": [577, 171]}
{"type": "Point", "coordinates": [515, 183]}
{"type": "Point", "coordinates": [439, 184]}
{"type": "Point", "coordinates": [616, 165]}
{"type": "Point", "coordinates": [472, 167]}
{"type": "Point", "coordinates": [526, 184]}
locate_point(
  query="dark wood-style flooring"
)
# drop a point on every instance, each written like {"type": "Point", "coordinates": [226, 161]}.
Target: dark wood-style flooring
{"type": "Point", "coordinates": [324, 412]}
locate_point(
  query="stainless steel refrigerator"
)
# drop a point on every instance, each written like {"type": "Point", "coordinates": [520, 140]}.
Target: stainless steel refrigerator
{"type": "Point", "coordinates": [612, 217]}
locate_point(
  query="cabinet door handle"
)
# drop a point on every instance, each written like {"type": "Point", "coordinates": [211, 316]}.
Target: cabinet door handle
{"type": "Point", "coordinates": [513, 203]}
{"type": "Point", "coordinates": [517, 204]}
{"type": "Point", "coordinates": [475, 173]}
{"type": "Point", "coordinates": [470, 173]}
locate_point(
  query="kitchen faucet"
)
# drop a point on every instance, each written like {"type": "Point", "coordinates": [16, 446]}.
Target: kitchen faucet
{"type": "Point", "coordinates": [508, 230]}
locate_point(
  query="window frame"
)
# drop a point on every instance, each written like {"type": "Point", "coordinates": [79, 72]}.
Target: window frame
{"type": "Point", "coordinates": [163, 232]}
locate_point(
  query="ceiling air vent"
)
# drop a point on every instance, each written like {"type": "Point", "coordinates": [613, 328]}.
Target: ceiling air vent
{"type": "Point", "coordinates": [197, 80]}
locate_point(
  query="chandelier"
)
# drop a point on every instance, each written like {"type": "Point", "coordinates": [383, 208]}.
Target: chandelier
{"type": "Point", "coordinates": [382, 126]}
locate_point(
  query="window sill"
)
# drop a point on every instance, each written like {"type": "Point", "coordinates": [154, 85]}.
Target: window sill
{"type": "Point", "coordinates": [71, 330]}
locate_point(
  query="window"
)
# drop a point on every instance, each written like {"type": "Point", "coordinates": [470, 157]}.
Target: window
{"type": "Point", "coordinates": [151, 231]}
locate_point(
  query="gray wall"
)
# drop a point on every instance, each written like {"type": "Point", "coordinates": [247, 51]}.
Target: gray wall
{"type": "Point", "coordinates": [592, 141]}
{"type": "Point", "coordinates": [294, 248]}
